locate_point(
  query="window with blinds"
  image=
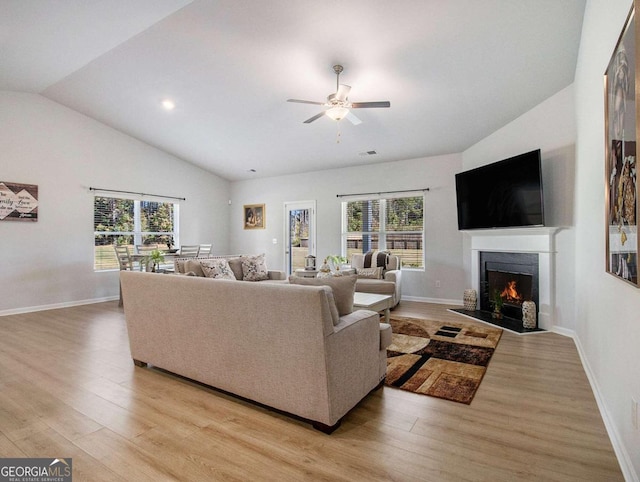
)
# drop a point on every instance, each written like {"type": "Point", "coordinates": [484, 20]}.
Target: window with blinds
{"type": "Point", "coordinates": [131, 223]}
{"type": "Point", "coordinates": [395, 225]}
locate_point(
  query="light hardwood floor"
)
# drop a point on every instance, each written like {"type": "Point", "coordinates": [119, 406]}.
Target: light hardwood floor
{"type": "Point", "coordinates": [68, 388]}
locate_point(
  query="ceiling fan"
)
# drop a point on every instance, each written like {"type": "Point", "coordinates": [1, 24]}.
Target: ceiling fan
{"type": "Point", "coordinates": [339, 106]}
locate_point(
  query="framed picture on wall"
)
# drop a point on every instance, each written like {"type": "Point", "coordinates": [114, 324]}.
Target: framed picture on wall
{"type": "Point", "coordinates": [18, 202]}
{"type": "Point", "coordinates": [254, 216]}
{"type": "Point", "coordinates": [621, 134]}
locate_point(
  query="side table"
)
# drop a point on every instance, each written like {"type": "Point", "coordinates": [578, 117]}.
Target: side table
{"type": "Point", "coordinates": [305, 273]}
{"type": "Point", "coordinates": [373, 302]}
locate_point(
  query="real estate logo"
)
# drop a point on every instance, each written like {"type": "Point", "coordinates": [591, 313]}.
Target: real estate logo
{"type": "Point", "coordinates": [35, 470]}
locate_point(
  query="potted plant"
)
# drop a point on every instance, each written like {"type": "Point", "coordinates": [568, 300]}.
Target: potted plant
{"type": "Point", "coordinates": [336, 261]}
{"type": "Point", "coordinates": [497, 302]}
{"type": "Point", "coordinates": [154, 258]}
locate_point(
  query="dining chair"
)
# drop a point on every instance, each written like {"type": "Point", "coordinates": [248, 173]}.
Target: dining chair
{"type": "Point", "coordinates": [205, 250]}
{"type": "Point", "coordinates": [145, 248]}
{"type": "Point", "coordinates": [189, 251]}
{"type": "Point", "coordinates": [124, 262]}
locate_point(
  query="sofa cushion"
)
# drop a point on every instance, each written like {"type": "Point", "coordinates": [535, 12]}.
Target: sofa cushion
{"type": "Point", "coordinates": [254, 268]}
{"type": "Point", "coordinates": [236, 266]}
{"type": "Point", "coordinates": [370, 273]}
{"type": "Point", "coordinates": [343, 288]}
{"type": "Point", "coordinates": [194, 265]}
{"type": "Point", "coordinates": [379, 287]}
{"type": "Point", "coordinates": [335, 316]}
{"type": "Point", "coordinates": [217, 269]}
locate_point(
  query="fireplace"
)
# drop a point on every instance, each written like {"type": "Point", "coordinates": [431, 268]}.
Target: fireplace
{"type": "Point", "coordinates": [533, 243]}
{"type": "Point", "coordinates": [512, 276]}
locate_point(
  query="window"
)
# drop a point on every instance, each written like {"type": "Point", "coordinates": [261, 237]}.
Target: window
{"type": "Point", "coordinates": [130, 222]}
{"type": "Point", "coordinates": [394, 224]}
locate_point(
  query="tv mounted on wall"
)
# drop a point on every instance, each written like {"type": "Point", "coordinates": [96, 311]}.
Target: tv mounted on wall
{"type": "Point", "coordinates": [504, 194]}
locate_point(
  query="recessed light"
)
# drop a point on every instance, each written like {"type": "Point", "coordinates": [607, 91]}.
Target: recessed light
{"type": "Point", "coordinates": [168, 104]}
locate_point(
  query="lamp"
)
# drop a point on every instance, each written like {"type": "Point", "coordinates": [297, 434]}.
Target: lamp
{"type": "Point", "coordinates": [337, 113]}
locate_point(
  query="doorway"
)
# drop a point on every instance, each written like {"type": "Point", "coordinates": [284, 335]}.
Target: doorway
{"type": "Point", "coordinates": [300, 233]}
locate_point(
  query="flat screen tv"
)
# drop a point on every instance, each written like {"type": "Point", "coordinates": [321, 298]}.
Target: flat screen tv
{"type": "Point", "coordinates": [504, 194]}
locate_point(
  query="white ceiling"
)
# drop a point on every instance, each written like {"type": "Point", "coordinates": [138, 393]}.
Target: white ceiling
{"type": "Point", "coordinates": [453, 70]}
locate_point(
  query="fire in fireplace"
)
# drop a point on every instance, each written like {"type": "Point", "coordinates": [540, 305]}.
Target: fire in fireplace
{"type": "Point", "coordinates": [511, 294]}
{"type": "Point", "coordinates": [514, 288]}
{"type": "Point", "coordinates": [514, 275]}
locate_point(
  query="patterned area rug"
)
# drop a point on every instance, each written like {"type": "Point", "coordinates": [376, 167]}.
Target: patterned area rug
{"type": "Point", "coordinates": [444, 360]}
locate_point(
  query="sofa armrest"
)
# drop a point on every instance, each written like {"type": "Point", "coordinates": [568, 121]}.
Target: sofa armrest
{"type": "Point", "coordinates": [353, 360]}
{"type": "Point", "coordinates": [277, 275]}
{"type": "Point", "coordinates": [395, 275]}
{"type": "Point", "coordinates": [352, 318]}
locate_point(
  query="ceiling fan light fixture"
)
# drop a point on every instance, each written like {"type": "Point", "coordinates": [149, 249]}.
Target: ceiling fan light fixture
{"type": "Point", "coordinates": [168, 104]}
{"type": "Point", "coordinates": [337, 113]}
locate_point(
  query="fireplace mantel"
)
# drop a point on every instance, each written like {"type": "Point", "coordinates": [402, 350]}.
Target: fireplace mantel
{"type": "Point", "coordinates": [539, 240]}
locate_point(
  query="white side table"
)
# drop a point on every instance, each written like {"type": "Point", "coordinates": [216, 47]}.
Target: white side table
{"type": "Point", "coordinates": [305, 273]}
{"type": "Point", "coordinates": [373, 302]}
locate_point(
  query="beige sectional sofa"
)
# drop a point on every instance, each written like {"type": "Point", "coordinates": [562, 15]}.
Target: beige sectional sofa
{"type": "Point", "coordinates": [194, 266]}
{"type": "Point", "coordinates": [278, 344]}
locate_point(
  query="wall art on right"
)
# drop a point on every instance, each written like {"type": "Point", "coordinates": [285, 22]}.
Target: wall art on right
{"type": "Point", "coordinates": [621, 134]}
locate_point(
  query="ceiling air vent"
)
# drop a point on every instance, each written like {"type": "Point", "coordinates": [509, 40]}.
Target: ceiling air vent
{"type": "Point", "coordinates": [368, 153]}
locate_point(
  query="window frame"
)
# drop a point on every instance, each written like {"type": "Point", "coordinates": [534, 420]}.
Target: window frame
{"type": "Point", "coordinates": [382, 233]}
{"type": "Point", "coordinates": [137, 234]}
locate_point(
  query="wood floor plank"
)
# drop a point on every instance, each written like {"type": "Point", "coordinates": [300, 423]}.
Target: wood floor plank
{"type": "Point", "coordinates": [9, 448]}
{"type": "Point", "coordinates": [125, 458]}
{"type": "Point", "coordinates": [68, 388]}
{"type": "Point", "coordinates": [51, 411]}
{"type": "Point", "coordinates": [49, 444]}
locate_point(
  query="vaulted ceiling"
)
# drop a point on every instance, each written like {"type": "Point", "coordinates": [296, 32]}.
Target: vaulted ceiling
{"type": "Point", "coordinates": [454, 72]}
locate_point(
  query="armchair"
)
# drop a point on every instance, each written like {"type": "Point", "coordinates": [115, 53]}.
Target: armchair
{"type": "Point", "coordinates": [390, 284]}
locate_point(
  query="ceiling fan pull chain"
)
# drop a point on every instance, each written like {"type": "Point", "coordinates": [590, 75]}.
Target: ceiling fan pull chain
{"type": "Point", "coordinates": [338, 136]}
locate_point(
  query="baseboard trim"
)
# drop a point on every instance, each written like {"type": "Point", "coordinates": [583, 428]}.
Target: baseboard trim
{"type": "Point", "coordinates": [624, 459]}
{"type": "Point", "coordinates": [438, 301]}
{"type": "Point", "coordinates": [56, 306]}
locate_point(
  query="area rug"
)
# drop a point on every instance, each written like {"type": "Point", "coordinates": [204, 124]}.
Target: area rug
{"type": "Point", "coordinates": [441, 359]}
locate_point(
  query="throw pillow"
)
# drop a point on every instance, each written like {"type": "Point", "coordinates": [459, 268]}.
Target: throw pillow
{"type": "Point", "coordinates": [370, 273]}
{"type": "Point", "coordinates": [373, 259]}
{"type": "Point", "coordinates": [236, 267]}
{"type": "Point", "coordinates": [194, 265]}
{"type": "Point", "coordinates": [217, 269]}
{"type": "Point", "coordinates": [335, 316]}
{"type": "Point", "coordinates": [254, 268]}
{"type": "Point", "coordinates": [343, 288]}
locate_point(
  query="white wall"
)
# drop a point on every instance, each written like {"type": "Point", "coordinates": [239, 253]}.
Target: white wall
{"type": "Point", "coordinates": [443, 246]}
{"type": "Point", "coordinates": [550, 126]}
{"type": "Point", "coordinates": [607, 309]}
{"type": "Point", "coordinates": [50, 262]}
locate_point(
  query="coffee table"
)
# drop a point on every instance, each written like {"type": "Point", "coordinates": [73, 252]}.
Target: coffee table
{"type": "Point", "coordinates": [373, 302]}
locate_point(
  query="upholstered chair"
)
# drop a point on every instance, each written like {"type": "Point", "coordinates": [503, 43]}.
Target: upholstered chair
{"type": "Point", "coordinates": [384, 281]}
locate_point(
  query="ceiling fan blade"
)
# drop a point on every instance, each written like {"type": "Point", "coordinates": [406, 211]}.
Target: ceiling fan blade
{"type": "Point", "coordinates": [315, 117]}
{"type": "Point", "coordinates": [343, 92]}
{"type": "Point", "coordinates": [305, 101]}
{"type": "Point", "coordinates": [364, 105]}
